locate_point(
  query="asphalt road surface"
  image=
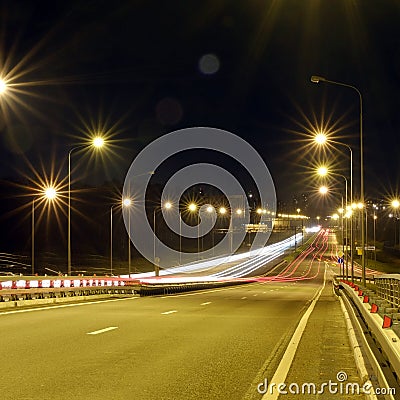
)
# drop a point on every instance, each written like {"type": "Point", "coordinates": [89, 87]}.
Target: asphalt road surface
{"type": "Point", "coordinates": [214, 344]}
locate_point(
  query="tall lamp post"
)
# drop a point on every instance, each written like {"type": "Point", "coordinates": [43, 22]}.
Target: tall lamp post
{"type": "Point", "coordinates": [395, 205]}
{"type": "Point", "coordinates": [49, 194]}
{"type": "Point", "coordinates": [321, 138]}
{"type": "Point", "coordinates": [317, 79]}
{"type": "Point", "coordinates": [127, 202]}
{"type": "Point", "coordinates": [166, 206]}
{"type": "Point", "coordinates": [192, 207]}
{"type": "Point", "coordinates": [111, 240]}
{"type": "Point", "coordinates": [97, 142]}
{"type": "Point", "coordinates": [323, 171]}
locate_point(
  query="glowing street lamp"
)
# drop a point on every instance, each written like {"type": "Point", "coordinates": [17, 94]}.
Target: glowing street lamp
{"type": "Point", "coordinates": [97, 143]}
{"type": "Point", "coordinates": [317, 79]}
{"type": "Point", "coordinates": [127, 203]}
{"type": "Point", "coordinates": [49, 194]}
{"type": "Point", "coordinates": [323, 190]}
{"type": "Point", "coordinates": [3, 86]}
{"type": "Point", "coordinates": [322, 171]}
{"type": "Point", "coordinates": [192, 207]}
{"type": "Point", "coordinates": [320, 138]}
{"type": "Point", "coordinates": [395, 204]}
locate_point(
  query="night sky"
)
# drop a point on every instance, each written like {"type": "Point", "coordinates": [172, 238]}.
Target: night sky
{"type": "Point", "coordinates": [140, 69]}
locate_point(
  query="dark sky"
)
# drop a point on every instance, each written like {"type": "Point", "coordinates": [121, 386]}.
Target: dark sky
{"type": "Point", "coordinates": [133, 68]}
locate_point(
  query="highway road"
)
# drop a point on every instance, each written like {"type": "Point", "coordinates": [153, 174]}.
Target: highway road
{"type": "Point", "coordinates": [216, 344]}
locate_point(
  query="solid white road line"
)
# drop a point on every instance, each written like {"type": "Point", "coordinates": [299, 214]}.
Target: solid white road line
{"type": "Point", "coordinates": [169, 312]}
{"type": "Point", "coordinates": [287, 359]}
{"type": "Point", "coordinates": [111, 328]}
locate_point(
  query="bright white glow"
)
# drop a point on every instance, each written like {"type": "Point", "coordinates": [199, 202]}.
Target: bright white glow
{"type": "Point", "coordinates": [98, 141]}
{"type": "Point", "coordinates": [168, 205]}
{"type": "Point", "coordinates": [50, 193]}
{"type": "Point", "coordinates": [243, 263]}
{"type": "Point", "coordinates": [335, 216]}
{"type": "Point", "coordinates": [320, 138]}
{"type": "Point", "coordinates": [210, 209]}
{"type": "Point", "coordinates": [192, 207]}
{"type": "Point", "coordinates": [222, 210]}
{"type": "Point", "coordinates": [126, 202]}
{"type": "Point", "coordinates": [313, 229]}
{"type": "Point", "coordinates": [395, 203]}
{"type": "Point", "coordinates": [323, 190]}
{"type": "Point", "coordinates": [360, 206]}
{"type": "Point", "coordinates": [239, 211]}
{"type": "Point", "coordinates": [322, 171]}
{"type": "Point", "coordinates": [3, 86]}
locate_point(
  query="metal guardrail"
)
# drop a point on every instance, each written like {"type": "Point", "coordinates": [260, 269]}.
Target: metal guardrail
{"type": "Point", "coordinates": [37, 289]}
{"type": "Point", "coordinates": [390, 347]}
{"type": "Point", "coordinates": [388, 288]}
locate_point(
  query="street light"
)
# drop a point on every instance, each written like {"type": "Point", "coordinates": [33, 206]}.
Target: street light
{"type": "Point", "coordinates": [127, 202]}
{"type": "Point", "coordinates": [192, 207]}
{"type": "Point", "coordinates": [49, 194]}
{"type": "Point", "coordinates": [323, 190]}
{"type": "Point", "coordinates": [3, 86]}
{"type": "Point", "coordinates": [323, 171]}
{"type": "Point", "coordinates": [395, 203]}
{"type": "Point", "coordinates": [317, 79]}
{"type": "Point", "coordinates": [322, 139]}
{"type": "Point", "coordinates": [375, 218]}
{"type": "Point", "coordinates": [97, 142]}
